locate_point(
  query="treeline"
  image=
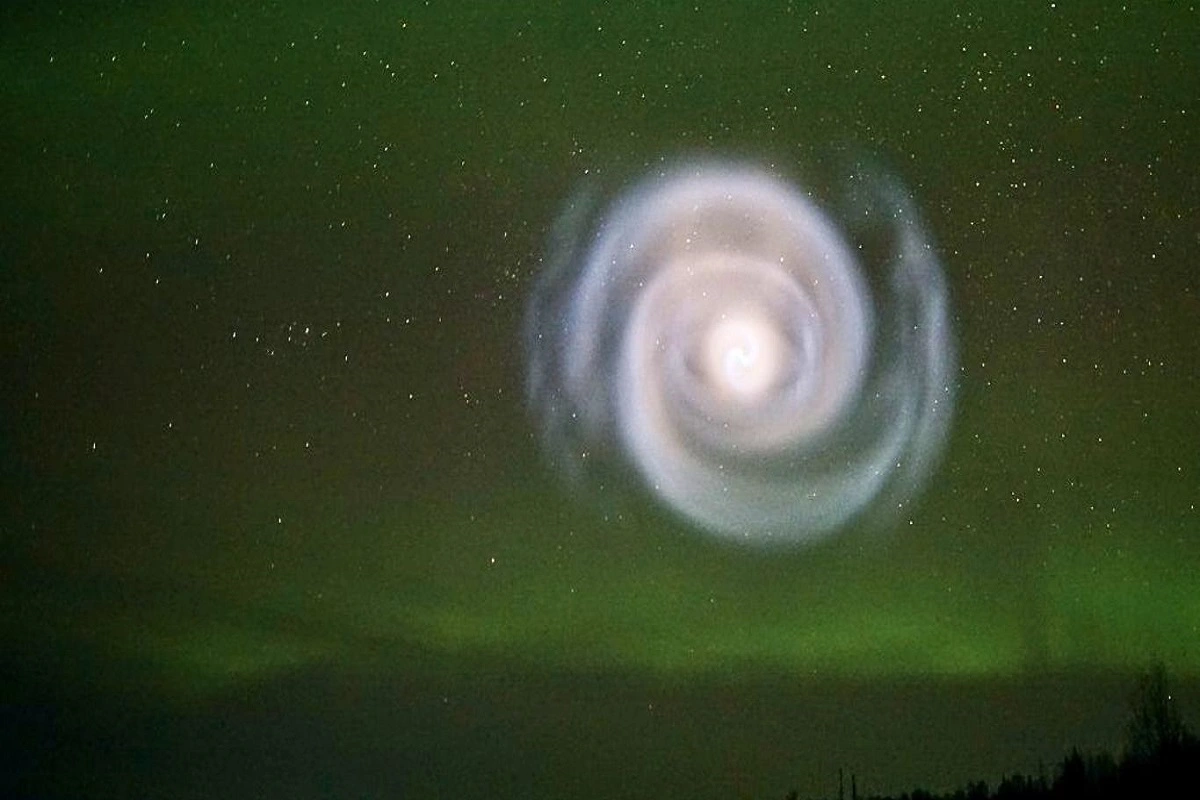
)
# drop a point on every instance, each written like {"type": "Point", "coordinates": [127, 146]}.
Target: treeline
{"type": "Point", "coordinates": [1168, 773]}
{"type": "Point", "coordinates": [1161, 759]}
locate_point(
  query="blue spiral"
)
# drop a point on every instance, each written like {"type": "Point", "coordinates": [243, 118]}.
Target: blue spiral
{"type": "Point", "coordinates": [769, 367]}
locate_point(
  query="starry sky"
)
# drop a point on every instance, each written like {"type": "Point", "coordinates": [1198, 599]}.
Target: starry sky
{"type": "Point", "coordinates": [275, 518]}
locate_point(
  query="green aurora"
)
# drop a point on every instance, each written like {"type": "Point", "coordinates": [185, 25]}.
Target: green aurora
{"type": "Point", "coordinates": [264, 272]}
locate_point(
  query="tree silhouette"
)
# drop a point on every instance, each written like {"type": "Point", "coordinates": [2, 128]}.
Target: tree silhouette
{"type": "Point", "coordinates": [1155, 728]}
{"type": "Point", "coordinates": [1161, 760]}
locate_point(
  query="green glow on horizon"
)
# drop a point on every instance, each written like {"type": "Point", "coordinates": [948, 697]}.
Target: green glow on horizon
{"type": "Point", "coordinates": [686, 617]}
{"type": "Point", "coordinates": [1122, 608]}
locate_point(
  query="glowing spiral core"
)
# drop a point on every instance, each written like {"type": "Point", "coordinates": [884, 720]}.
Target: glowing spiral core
{"type": "Point", "coordinates": [718, 333]}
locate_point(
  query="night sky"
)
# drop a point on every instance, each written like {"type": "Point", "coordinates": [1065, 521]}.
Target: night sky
{"type": "Point", "coordinates": [276, 518]}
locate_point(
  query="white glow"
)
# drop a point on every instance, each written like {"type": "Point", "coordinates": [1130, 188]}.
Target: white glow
{"type": "Point", "coordinates": [718, 332]}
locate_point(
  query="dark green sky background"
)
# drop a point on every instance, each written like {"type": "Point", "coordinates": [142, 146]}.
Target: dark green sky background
{"type": "Point", "coordinates": [275, 522]}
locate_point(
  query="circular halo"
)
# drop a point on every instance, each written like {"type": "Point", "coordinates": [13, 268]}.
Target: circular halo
{"type": "Point", "coordinates": [769, 368]}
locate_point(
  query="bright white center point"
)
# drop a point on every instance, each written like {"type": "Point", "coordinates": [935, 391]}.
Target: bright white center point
{"type": "Point", "coordinates": [744, 355]}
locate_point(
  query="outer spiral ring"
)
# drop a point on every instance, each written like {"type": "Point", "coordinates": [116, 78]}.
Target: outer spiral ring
{"type": "Point", "coordinates": [769, 373]}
